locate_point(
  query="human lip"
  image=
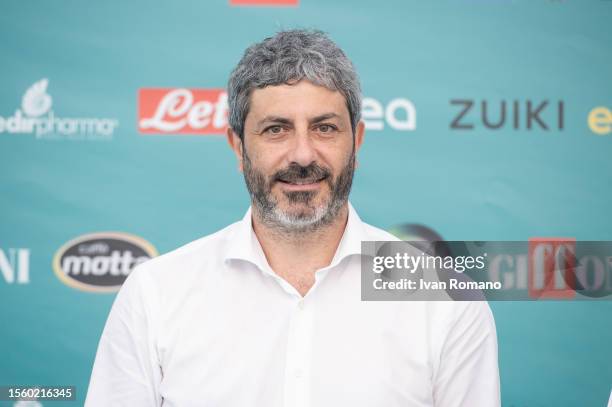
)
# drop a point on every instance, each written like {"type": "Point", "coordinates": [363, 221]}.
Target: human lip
{"type": "Point", "coordinates": [301, 185]}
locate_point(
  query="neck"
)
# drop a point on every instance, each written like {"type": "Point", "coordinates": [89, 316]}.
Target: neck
{"type": "Point", "coordinates": [297, 256]}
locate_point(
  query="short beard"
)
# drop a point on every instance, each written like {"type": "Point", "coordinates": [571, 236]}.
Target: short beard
{"type": "Point", "coordinates": [286, 223]}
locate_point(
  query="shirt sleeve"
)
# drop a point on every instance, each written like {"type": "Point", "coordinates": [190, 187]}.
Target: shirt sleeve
{"type": "Point", "coordinates": [126, 371]}
{"type": "Point", "coordinates": [468, 373]}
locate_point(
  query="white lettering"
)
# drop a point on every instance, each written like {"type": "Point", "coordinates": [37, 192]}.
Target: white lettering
{"type": "Point", "coordinates": [16, 263]}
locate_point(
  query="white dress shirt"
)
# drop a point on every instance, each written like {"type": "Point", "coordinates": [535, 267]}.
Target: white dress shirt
{"type": "Point", "coordinates": [211, 325]}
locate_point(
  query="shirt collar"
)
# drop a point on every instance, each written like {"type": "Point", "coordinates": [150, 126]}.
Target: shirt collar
{"type": "Point", "coordinates": [244, 245]}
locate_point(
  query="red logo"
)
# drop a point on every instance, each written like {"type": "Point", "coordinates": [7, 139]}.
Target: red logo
{"type": "Point", "coordinates": [182, 111]}
{"type": "Point", "coordinates": [264, 2]}
{"type": "Point", "coordinates": [552, 268]}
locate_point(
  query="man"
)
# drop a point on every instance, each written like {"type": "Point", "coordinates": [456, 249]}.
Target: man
{"type": "Point", "coordinates": [267, 312]}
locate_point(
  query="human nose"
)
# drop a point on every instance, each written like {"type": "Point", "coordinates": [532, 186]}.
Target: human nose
{"type": "Point", "coordinates": [303, 150]}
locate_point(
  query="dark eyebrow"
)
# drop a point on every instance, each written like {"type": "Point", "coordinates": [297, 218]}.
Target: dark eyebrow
{"type": "Point", "coordinates": [325, 116]}
{"type": "Point", "coordinates": [273, 119]}
{"type": "Point", "coordinates": [282, 120]}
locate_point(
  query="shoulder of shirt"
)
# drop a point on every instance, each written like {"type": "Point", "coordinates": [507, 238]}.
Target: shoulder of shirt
{"type": "Point", "coordinates": [374, 233]}
{"type": "Point", "coordinates": [188, 256]}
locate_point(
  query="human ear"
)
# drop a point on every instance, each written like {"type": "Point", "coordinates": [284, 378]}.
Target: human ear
{"type": "Point", "coordinates": [236, 145]}
{"type": "Point", "coordinates": [359, 136]}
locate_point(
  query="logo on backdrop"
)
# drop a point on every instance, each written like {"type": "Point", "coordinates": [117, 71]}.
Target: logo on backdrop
{"type": "Point", "coordinates": [204, 112]}
{"type": "Point", "coordinates": [182, 111]}
{"type": "Point", "coordinates": [600, 120]}
{"type": "Point", "coordinates": [398, 114]}
{"type": "Point", "coordinates": [552, 267]}
{"type": "Point", "coordinates": [508, 115]}
{"type": "Point", "coordinates": [37, 117]}
{"type": "Point", "coordinates": [100, 261]}
{"type": "Point", "coordinates": [15, 265]}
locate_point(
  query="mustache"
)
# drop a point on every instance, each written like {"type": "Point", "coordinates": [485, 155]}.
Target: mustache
{"type": "Point", "coordinates": [295, 172]}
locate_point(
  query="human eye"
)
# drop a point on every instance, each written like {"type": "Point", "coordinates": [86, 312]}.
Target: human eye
{"type": "Point", "coordinates": [275, 130]}
{"type": "Point", "coordinates": [326, 128]}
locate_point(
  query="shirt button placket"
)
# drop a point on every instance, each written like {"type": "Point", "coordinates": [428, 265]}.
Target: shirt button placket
{"type": "Point", "coordinates": [297, 369]}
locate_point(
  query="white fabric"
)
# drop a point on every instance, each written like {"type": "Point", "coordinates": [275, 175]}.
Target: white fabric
{"type": "Point", "coordinates": [210, 324]}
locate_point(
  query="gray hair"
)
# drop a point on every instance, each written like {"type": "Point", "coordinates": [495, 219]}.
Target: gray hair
{"type": "Point", "coordinates": [286, 58]}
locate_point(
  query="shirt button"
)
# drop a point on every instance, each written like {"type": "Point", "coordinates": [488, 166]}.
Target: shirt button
{"type": "Point", "coordinates": [301, 305]}
{"type": "Point", "coordinates": [298, 373]}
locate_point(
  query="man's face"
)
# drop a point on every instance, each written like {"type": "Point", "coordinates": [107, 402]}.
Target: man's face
{"type": "Point", "coordinates": [298, 155]}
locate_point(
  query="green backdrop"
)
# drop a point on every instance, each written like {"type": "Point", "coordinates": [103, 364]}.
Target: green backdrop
{"type": "Point", "coordinates": [512, 182]}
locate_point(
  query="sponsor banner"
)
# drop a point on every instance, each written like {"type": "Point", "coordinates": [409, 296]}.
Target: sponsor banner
{"type": "Point", "coordinates": [204, 112]}
{"type": "Point", "coordinates": [15, 265]}
{"type": "Point", "coordinates": [560, 269]}
{"type": "Point", "coordinates": [36, 117]}
{"type": "Point", "coordinates": [600, 120]}
{"type": "Point", "coordinates": [552, 265]}
{"type": "Point", "coordinates": [182, 111]}
{"type": "Point", "coordinates": [523, 115]}
{"type": "Point", "coordinates": [399, 114]}
{"type": "Point", "coordinates": [100, 262]}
